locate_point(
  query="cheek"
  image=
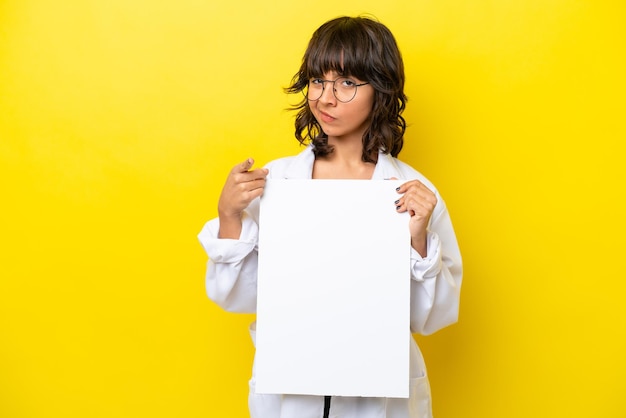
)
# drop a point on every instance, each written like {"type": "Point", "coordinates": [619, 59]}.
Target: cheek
{"type": "Point", "coordinates": [365, 111]}
{"type": "Point", "coordinates": [367, 105]}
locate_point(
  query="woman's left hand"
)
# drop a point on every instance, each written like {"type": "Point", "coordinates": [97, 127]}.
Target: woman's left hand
{"type": "Point", "coordinates": [419, 201]}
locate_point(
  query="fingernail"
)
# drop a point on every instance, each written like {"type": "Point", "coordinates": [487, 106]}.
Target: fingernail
{"type": "Point", "coordinates": [397, 207]}
{"type": "Point", "coordinates": [397, 189]}
{"type": "Point", "coordinates": [397, 201]}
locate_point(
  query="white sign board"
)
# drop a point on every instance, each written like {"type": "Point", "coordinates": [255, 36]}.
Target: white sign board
{"type": "Point", "coordinates": [333, 289]}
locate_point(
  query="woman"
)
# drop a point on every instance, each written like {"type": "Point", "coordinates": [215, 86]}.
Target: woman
{"type": "Point", "coordinates": [352, 78]}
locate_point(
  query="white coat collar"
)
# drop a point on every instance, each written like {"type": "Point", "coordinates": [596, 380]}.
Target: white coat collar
{"type": "Point", "coordinates": [301, 166]}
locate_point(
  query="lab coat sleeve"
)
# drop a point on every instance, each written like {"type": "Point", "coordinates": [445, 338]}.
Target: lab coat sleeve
{"type": "Point", "coordinates": [436, 279]}
{"type": "Point", "coordinates": [231, 274]}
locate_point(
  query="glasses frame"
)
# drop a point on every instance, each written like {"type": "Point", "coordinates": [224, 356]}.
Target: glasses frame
{"type": "Point", "coordinates": [306, 90]}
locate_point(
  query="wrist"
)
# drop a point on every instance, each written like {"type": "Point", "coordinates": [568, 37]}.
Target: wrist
{"type": "Point", "coordinates": [228, 216]}
{"type": "Point", "coordinates": [420, 245]}
{"type": "Point", "coordinates": [230, 226]}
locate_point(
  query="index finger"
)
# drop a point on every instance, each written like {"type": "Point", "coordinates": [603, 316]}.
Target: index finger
{"type": "Point", "coordinates": [244, 166]}
{"type": "Point", "coordinates": [405, 186]}
{"type": "Point", "coordinates": [259, 173]}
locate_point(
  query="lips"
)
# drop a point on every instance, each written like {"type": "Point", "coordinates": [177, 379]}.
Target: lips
{"type": "Point", "coordinates": [325, 117]}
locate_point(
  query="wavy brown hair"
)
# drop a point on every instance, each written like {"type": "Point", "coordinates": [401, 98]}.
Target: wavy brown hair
{"type": "Point", "coordinates": [366, 49]}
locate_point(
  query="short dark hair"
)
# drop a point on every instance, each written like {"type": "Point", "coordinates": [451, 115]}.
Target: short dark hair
{"type": "Point", "coordinates": [366, 49]}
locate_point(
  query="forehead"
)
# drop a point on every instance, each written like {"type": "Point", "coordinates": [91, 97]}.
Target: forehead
{"type": "Point", "coordinates": [337, 54]}
{"type": "Point", "coordinates": [323, 60]}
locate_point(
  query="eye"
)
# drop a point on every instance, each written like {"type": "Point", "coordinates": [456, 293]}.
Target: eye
{"type": "Point", "coordinates": [346, 82]}
{"type": "Point", "coordinates": [316, 81]}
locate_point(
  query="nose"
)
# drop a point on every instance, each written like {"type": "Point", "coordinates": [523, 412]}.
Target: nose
{"type": "Point", "coordinates": [328, 95]}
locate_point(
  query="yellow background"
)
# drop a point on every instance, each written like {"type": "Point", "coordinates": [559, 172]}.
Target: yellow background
{"type": "Point", "coordinates": [120, 119]}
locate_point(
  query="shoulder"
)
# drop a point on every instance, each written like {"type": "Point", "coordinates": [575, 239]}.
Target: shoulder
{"type": "Point", "coordinates": [404, 171]}
{"type": "Point", "coordinates": [295, 166]}
{"type": "Point", "coordinates": [281, 162]}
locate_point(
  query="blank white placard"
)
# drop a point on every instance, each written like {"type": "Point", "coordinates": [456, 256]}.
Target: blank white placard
{"type": "Point", "coordinates": [333, 289]}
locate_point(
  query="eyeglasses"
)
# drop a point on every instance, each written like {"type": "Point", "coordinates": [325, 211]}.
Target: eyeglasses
{"type": "Point", "coordinates": [344, 89]}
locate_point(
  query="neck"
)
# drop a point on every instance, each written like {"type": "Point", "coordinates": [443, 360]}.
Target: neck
{"type": "Point", "coordinates": [348, 151]}
{"type": "Point", "coordinates": [345, 162]}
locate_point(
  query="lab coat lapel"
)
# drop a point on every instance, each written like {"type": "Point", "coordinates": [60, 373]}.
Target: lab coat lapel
{"type": "Point", "coordinates": [301, 166]}
{"type": "Point", "coordinates": [386, 168]}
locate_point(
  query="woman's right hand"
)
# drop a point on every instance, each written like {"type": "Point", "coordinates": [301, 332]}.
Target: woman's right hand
{"type": "Point", "coordinates": [242, 187]}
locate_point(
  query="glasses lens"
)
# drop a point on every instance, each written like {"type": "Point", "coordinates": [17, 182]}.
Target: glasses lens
{"type": "Point", "coordinates": [314, 89]}
{"type": "Point", "coordinates": [345, 89]}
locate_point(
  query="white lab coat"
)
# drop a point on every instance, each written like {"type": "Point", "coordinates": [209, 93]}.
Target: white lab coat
{"type": "Point", "coordinates": [435, 290]}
